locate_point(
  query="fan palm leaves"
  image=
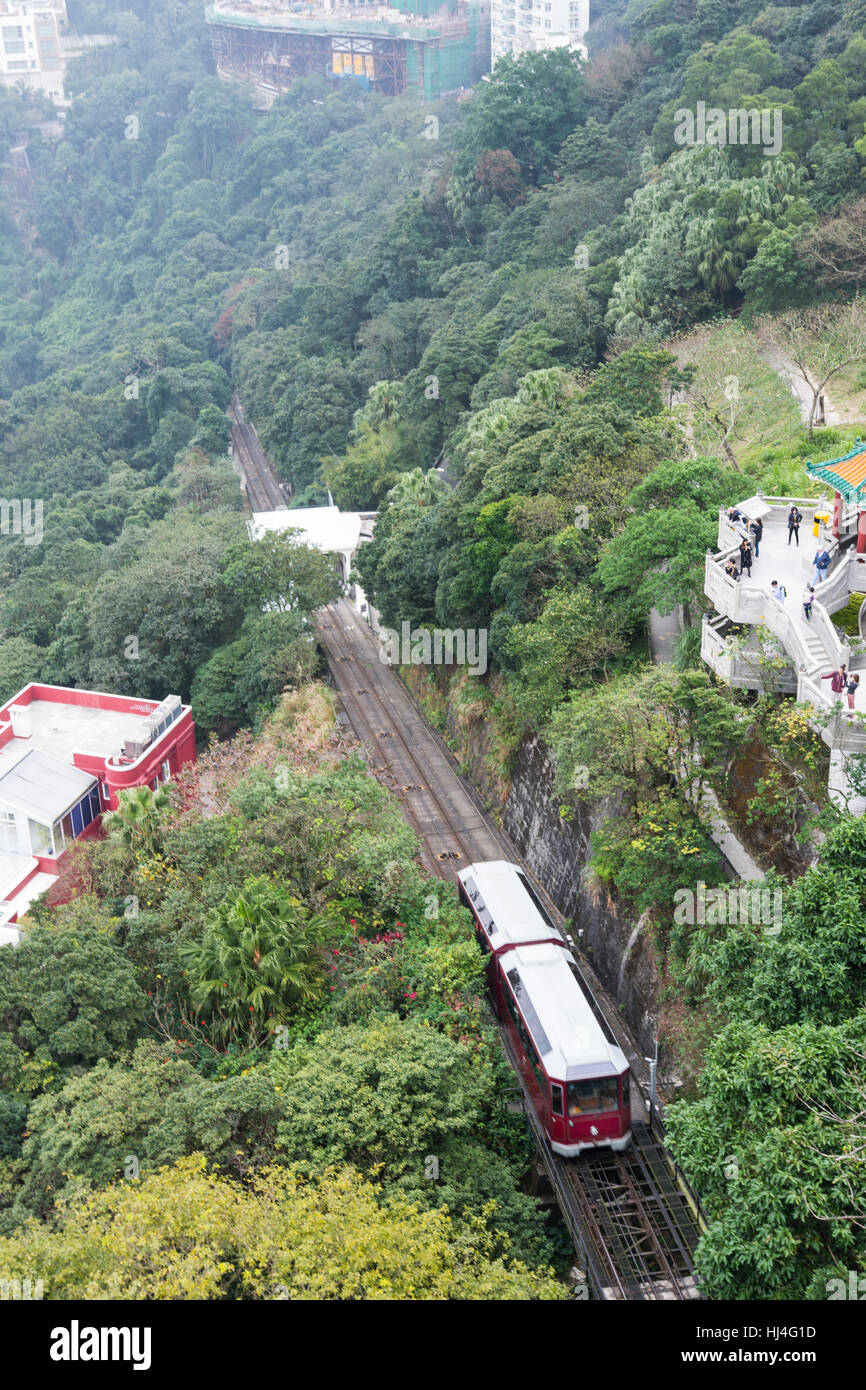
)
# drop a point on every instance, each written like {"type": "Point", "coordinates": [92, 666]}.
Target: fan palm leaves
{"type": "Point", "coordinates": [416, 488]}
{"type": "Point", "coordinates": [260, 960]}
{"type": "Point", "coordinates": [137, 822]}
{"type": "Point", "coordinates": [700, 215]}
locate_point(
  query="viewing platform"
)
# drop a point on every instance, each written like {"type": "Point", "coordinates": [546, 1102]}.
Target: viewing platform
{"type": "Point", "coordinates": [753, 640]}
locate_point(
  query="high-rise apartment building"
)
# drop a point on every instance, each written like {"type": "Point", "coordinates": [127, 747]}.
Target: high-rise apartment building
{"type": "Point", "coordinates": [31, 47]}
{"type": "Point", "coordinates": [531, 26]}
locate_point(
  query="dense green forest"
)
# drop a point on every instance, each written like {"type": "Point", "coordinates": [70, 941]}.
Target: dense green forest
{"type": "Point", "coordinates": [508, 298]}
{"type": "Point", "coordinates": [257, 974]}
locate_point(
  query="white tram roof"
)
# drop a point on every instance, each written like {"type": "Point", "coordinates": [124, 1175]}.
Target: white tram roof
{"type": "Point", "coordinates": [569, 1038]}
{"type": "Point", "coordinates": [498, 891]}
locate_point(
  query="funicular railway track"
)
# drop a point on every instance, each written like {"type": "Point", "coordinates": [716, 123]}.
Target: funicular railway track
{"type": "Point", "coordinates": [631, 1216]}
{"type": "Point", "coordinates": [643, 1231]}
{"type": "Point", "coordinates": [263, 491]}
{"type": "Point", "coordinates": [382, 713]}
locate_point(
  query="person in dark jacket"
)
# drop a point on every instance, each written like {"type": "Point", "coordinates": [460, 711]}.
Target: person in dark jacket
{"type": "Point", "coordinates": [745, 558]}
{"type": "Point", "coordinates": [757, 529]}
{"type": "Point", "coordinates": [794, 518]}
{"type": "Point", "coordinates": [852, 685]}
{"type": "Point", "coordinates": [822, 564]}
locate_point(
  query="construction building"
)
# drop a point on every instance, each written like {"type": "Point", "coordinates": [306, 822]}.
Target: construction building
{"type": "Point", "coordinates": [424, 47]}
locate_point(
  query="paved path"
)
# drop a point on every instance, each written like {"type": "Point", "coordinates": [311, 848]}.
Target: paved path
{"type": "Point", "coordinates": [739, 858]}
{"type": "Point", "coordinates": [790, 373]}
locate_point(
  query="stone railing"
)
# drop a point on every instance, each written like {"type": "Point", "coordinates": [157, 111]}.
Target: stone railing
{"type": "Point", "coordinates": [745, 602]}
{"type": "Point", "coordinates": [836, 587]}
{"type": "Point", "coordinates": [741, 666]}
{"type": "Point", "coordinates": [838, 731]}
{"type": "Point", "coordinates": [774, 512]}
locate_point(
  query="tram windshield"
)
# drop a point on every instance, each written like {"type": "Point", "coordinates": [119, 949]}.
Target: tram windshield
{"type": "Point", "coordinates": [590, 1097]}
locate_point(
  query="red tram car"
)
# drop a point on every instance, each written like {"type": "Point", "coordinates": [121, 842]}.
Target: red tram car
{"type": "Point", "coordinates": [576, 1074]}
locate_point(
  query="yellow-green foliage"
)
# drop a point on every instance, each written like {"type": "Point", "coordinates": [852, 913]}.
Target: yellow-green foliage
{"type": "Point", "coordinates": [186, 1233]}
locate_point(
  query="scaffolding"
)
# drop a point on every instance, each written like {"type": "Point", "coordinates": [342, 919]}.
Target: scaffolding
{"type": "Point", "coordinates": [433, 50]}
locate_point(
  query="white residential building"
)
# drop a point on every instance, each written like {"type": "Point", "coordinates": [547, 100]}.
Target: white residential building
{"type": "Point", "coordinates": [31, 48]}
{"type": "Point", "coordinates": [531, 26]}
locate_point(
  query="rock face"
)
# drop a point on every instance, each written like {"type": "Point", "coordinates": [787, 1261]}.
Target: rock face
{"type": "Point", "coordinates": [558, 850]}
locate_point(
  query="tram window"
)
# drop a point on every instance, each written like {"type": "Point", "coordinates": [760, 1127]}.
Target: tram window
{"type": "Point", "coordinates": [625, 1090]}
{"type": "Point", "coordinates": [556, 1093]}
{"type": "Point", "coordinates": [482, 941]}
{"type": "Point", "coordinates": [590, 1097]}
{"type": "Point", "coordinates": [527, 1043]}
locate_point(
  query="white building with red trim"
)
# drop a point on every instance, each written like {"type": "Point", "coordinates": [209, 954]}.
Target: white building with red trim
{"type": "Point", "coordinates": [64, 756]}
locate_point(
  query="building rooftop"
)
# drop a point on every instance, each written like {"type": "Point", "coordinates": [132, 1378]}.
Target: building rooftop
{"type": "Point", "coordinates": [500, 895]}
{"type": "Point", "coordinates": [846, 474]}
{"type": "Point", "coordinates": [347, 19]}
{"type": "Point", "coordinates": [62, 729]}
{"type": "Point", "coordinates": [327, 528]}
{"type": "Point", "coordinates": [41, 786]}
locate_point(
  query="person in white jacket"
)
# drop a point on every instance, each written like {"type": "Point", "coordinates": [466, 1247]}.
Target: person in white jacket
{"type": "Point", "coordinates": [808, 600]}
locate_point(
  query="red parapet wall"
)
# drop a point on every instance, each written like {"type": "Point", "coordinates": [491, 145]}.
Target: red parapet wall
{"type": "Point", "coordinates": [176, 746]}
{"type": "Point", "coordinates": [87, 699]}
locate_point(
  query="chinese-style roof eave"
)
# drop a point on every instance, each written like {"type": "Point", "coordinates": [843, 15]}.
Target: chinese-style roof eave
{"type": "Point", "coordinates": [847, 475]}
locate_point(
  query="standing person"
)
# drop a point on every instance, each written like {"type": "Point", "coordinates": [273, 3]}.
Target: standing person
{"type": "Point", "coordinates": [851, 686]}
{"type": "Point", "coordinates": [745, 558]}
{"type": "Point", "coordinates": [838, 680]}
{"type": "Point", "coordinates": [822, 564]}
{"type": "Point", "coordinates": [778, 591]}
{"type": "Point", "coordinates": [808, 600]}
{"type": "Point", "coordinates": [757, 529]}
{"type": "Point", "coordinates": [794, 518]}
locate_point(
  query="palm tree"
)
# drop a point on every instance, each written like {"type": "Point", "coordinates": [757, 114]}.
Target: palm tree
{"type": "Point", "coordinates": [416, 488]}
{"type": "Point", "coordinates": [137, 822]}
{"type": "Point", "coordinates": [260, 959]}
